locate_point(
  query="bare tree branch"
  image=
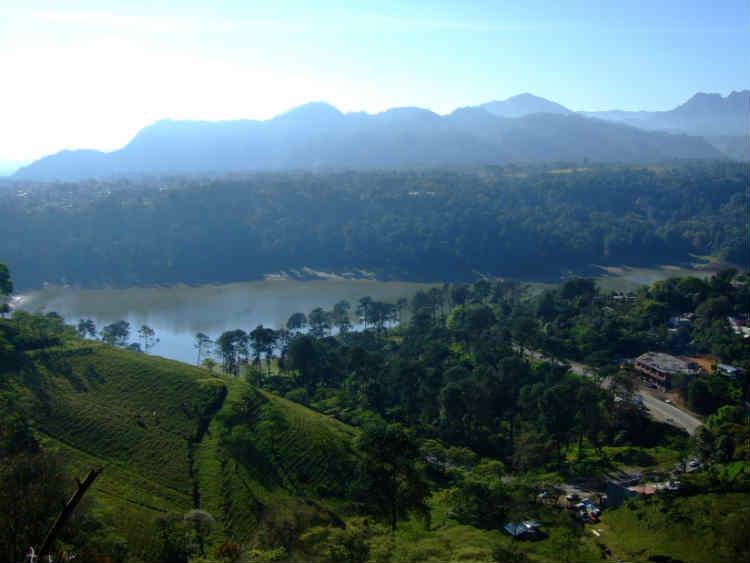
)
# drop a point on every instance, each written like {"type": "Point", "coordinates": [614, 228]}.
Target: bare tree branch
{"type": "Point", "coordinates": [67, 510]}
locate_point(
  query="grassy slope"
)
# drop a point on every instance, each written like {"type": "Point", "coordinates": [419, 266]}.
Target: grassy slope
{"type": "Point", "coordinates": [691, 529]}
{"type": "Point", "coordinates": [447, 540]}
{"type": "Point", "coordinates": [170, 441]}
{"type": "Point", "coordinates": [268, 465]}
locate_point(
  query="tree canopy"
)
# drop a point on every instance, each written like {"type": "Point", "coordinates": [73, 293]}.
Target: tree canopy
{"type": "Point", "coordinates": [516, 221]}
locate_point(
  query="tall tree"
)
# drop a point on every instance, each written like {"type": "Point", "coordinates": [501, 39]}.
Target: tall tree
{"type": "Point", "coordinates": [6, 284]}
{"type": "Point", "coordinates": [589, 417]}
{"type": "Point", "coordinates": [401, 305]}
{"type": "Point", "coordinates": [232, 346]}
{"type": "Point", "coordinates": [270, 340]}
{"type": "Point", "coordinates": [296, 323]}
{"type": "Point", "coordinates": [319, 321]}
{"type": "Point", "coordinates": [202, 345]}
{"type": "Point", "coordinates": [387, 480]}
{"type": "Point", "coordinates": [557, 407]}
{"type": "Point", "coordinates": [381, 314]}
{"type": "Point", "coordinates": [340, 316]}
{"type": "Point", "coordinates": [283, 339]}
{"type": "Point", "coordinates": [438, 300]}
{"type": "Point", "coordinates": [304, 358]}
{"type": "Point", "coordinates": [86, 327]}
{"type": "Point", "coordinates": [459, 294]}
{"type": "Point", "coordinates": [116, 333]}
{"type": "Point", "coordinates": [148, 337]}
{"type": "Point", "coordinates": [364, 310]}
{"type": "Point", "coordinates": [6, 288]}
{"type": "Point", "coordinates": [263, 340]}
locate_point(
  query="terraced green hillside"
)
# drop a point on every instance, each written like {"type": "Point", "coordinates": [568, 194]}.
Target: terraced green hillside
{"type": "Point", "coordinates": [270, 468]}
{"type": "Point", "coordinates": [173, 437]}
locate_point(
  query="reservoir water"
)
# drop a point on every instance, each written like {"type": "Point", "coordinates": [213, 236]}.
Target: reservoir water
{"type": "Point", "coordinates": [178, 313]}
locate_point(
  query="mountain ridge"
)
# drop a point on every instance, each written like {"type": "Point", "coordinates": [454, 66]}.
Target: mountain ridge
{"type": "Point", "coordinates": [318, 136]}
{"type": "Point", "coordinates": [703, 114]}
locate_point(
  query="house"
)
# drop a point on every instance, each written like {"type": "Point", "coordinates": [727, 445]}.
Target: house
{"type": "Point", "coordinates": [588, 511]}
{"type": "Point", "coordinates": [527, 529]}
{"type": "Point", "coordinates": [659, 368]}
{"type": "Point", "coordinates": [617, 493]}
{"type": "Point", "coordinates": [681, 320]}
{"type": "Point", "coordinates": [546, 498]}
{"type": "Point", "coordinates": [729, 371]}
{"type": "Point", "coordinates": [739, 326]}
{"type": "Point", "coordinates": [617, 490]}
{"type": "Point", "coordinates": [644, 490]}
{"type": "Point", "coordinates": [648, 489]}
{"type": "Point", "coordinates": [571, 500]}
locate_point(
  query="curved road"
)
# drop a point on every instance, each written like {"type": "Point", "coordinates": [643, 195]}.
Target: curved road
{"type": "Point", "coordinates": [657, 408]}
{"type": "Point", "coordinates": [669, 413]}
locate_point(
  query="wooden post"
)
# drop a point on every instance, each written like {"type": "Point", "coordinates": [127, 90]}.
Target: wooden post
{"type": "Point", "coordinates": [67, 511]}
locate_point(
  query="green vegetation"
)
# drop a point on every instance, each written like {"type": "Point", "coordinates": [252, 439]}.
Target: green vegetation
{"type": "Point", "coordinates": [172, 438]}
{"type": "Point", "coordinates": [408, 441]}
{"type": "Point", "coordinates": [700, 528]}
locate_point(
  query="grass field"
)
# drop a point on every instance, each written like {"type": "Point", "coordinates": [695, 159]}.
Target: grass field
{"type": "Point", "coordinates": [444, 539]}
{"type": "Point", "coordinates": [691, 529]}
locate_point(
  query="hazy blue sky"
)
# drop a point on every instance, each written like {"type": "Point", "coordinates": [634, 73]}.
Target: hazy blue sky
{"type": "Point", "coordinates": [90, 74]}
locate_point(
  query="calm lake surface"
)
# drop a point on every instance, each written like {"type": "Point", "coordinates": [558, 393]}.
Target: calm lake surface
{"type": "Point", "coordinates": [178, 313]}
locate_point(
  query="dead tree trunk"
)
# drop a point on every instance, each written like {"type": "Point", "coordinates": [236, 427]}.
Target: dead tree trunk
{"type": "Point", "coordinates": [67, 511]}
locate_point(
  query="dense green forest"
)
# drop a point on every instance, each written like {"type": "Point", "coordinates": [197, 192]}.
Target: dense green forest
{"type": "Point", "coordinates": [407, 441]}
{"type": "Point", "coordinates": [457, 370]}
{"type": "Point", "coordinates": [523, 222]}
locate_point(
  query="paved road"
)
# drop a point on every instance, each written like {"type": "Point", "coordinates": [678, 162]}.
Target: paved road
{"type": "Point", "coordinates": [657, 408]}
{"type": "Point", "coordinates": [669, 413]}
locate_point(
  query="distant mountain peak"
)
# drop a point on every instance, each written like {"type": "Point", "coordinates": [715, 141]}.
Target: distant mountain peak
{"type": "Point", "coordinates": [312, 110]}
{"type": "Point", "coordinates": [704, 102]}
{"type": "Point", "coordinates": [522, 105]}
{"type": "Point", "coordinates": [407, 112]}
{"type": "Point", "coordinates": [526, 96]}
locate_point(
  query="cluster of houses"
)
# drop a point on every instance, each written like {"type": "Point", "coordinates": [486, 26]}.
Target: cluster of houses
{"type": "Point", "coordinates": [657, 369]}
{"type": "Point", "coordinates": [585, 509]}
{"type": "Point", "coordinates": [739, 326]}
{"type": "Point", "coordinates": [619, 491]}
{"type": "Point", "coordinates": [589, 511]}
{"type": "Point", "coordinates": [624, 297]}
{"type": "Point", "coordinates": [679, 321]}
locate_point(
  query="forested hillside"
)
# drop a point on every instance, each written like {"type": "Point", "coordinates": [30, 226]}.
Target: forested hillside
{"type": "Point", "coordinates": [529, 222]}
